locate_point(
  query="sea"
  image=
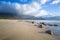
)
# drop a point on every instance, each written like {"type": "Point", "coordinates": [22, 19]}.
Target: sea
{"type": "Point", "coordinates": [54, 29]}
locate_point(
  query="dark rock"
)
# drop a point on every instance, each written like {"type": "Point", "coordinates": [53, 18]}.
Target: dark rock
{"type": "Point", "coordinates": [40, 26]}
{"type": "Point", "coordinates": [32, 22]}
{"type": "Point", "coordinates": [55, 25]}
{"type": "Point", "coordinates": [49, 32]}
{"type": "Point", "coordinates": [50, 24]}
{"type": "Point", "coordinates": [43, 23]}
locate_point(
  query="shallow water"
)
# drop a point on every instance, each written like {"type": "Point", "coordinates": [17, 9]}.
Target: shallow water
{"type": "Point", "coordinates": [54, 29]}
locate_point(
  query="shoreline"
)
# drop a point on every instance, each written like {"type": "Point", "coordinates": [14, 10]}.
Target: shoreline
{"type": "Point", "coordinates": [21, 30]}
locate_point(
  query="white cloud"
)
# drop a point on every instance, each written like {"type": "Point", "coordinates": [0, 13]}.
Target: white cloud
{"type": "Point", "coordinates": [55, 2]}
{"type": "Point", "coordinates": [41, 13]}
{"type": "Point", "coordinates": [17, 6]}
{"type": "Point", "coordinates": [28, 9]}
{"type": "Point", "coordinates": [44, 1]}
{"type": "Point", "coordinates": [36, 5]}
{"type": "Point", "coordinates": [41, 1]}
{"type": "Point", "coordinates": [33, 8]}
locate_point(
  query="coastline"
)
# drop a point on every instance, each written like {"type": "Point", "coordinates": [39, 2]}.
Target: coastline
{"type": "Point", "coordinates": [21, 30]}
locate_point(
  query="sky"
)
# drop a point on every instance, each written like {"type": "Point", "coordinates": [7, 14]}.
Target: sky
{"type": "Point", "coordinates": [37, 8]}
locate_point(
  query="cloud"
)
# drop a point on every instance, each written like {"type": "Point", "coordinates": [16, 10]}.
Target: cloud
{"type": "Point", "coordinates": [55, 2]}
{"type": "Point", "coordinates": [44, 1]}
{"type": "Point", "coordinates": [7, 7]}
{"type": "Point", "coordinates": [17, 6]}
{"type": "Point", "coordinates": [31, 8]}
{"type": "Point", "coordinates": [26, 8]}
{"type": "Point", "coordinates": [34, 8]}
{"type": "Point", "coordinates": [41, 13]}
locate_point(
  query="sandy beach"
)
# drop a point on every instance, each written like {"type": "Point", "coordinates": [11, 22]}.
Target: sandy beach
{"type": "Point", "coordinates": [21, 30]}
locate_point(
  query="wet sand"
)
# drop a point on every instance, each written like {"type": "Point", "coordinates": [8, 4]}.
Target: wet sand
{"type": "Point", "coordinates": [21, 30]}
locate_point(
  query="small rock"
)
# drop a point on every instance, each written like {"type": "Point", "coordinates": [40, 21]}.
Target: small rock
{"type": "Point", "coordinates": [49, 32]}
{"type": "Point", "coordinates": [43, 23]}
{"type": "Point", "coordinates": [40, 26]}
{"type": "Point", "coordinates": [32, 22]}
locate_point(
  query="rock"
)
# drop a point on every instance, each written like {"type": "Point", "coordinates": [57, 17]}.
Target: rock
{"type": "Point", "coordinates": [49, 32]}
{"type": "Point", "coordinates": [43, 23]}
{"type": "Point", "coordinates": [40, 26]}
{"type": "Point", "coordinates": [55, 25]}
{"type": "Point", "coordinates": [32, 22]}
{"type": "Point", "coordinates": [50, 24]}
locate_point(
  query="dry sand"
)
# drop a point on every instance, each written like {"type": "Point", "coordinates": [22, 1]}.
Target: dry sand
{"type": "Point", "coordinates": [20, 30]}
